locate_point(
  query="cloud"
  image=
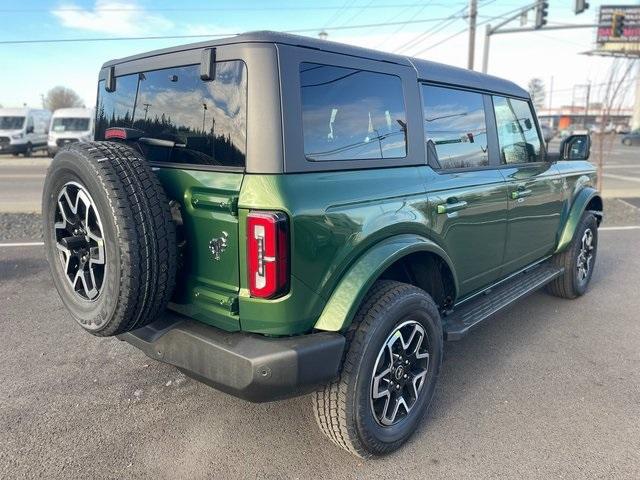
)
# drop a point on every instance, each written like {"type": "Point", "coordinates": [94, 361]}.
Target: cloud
{"type": "Point", "coordinates": [112, 17]}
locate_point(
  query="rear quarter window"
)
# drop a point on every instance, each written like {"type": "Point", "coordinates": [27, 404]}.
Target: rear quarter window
{"type": "Point", "coordinates": [351, 114]}
{"type": "Point", "coordinates": [206, 121]}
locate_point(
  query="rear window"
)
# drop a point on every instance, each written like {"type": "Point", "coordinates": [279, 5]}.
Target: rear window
{"type": "Point", "coordinates": [205, 121]}
{"type": "Point", "coordinates": [350, 114]}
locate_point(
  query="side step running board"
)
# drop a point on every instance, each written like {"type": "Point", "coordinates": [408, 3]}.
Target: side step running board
{"type": "Point", "coordinates": [471, 313]}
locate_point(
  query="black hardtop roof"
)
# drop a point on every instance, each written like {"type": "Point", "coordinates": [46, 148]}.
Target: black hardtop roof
{"type": "Point", "coordinates": [426, 70]}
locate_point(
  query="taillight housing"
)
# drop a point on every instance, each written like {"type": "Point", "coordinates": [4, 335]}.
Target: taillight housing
{"type": "Point", "coordinates": [268, 253]}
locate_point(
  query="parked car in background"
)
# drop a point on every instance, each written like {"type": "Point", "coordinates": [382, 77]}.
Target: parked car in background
{"type": "Point", "coordinates": [23, 130]}
{"type": "Point", "coordinates": [547, 133]}
{"type": "Point", "coordinates": [70, 125]}
{"type": "Point", "coordinates": [632, 138]}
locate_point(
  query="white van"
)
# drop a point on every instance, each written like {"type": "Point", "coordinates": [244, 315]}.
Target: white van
{"type": "Point", "coordinates": [69, 125]}
{"type": "Point", "coordinates": [23, 130]}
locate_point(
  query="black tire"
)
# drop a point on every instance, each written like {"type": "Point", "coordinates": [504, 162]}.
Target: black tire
{"type": "Point", "coordinates": [28, 151]}
{"type": "Point", "coordinates": [572, 283]}
{"type": "Point", "coordinates": [138, 249]}
{"type": "Point", "coordinates": [344, 409]}
{"type": "Point", "coordinates": [627, 142]}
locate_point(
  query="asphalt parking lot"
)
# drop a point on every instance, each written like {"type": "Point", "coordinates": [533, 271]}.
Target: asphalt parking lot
{"type": "Point", "coordinates": [548, 389]}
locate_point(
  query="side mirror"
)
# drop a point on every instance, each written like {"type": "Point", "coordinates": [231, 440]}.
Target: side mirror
{"type": "Point", "coordinates": [575, 147]}
{"type": "Point", "coordinates": [30, 129]}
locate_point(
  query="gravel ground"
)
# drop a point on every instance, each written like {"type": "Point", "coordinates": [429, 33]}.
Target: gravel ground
{"type": "Point", "coordinates": [20, 227]}
{"type": "Point", "coordinates": [27, 226]}
{"type": "Point", "coordinates": [619, 212]}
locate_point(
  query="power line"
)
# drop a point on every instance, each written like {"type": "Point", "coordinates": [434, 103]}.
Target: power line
{"type": "Point", "coordinates": [434, 29]}
{"type": "Point", "coordinates": [162, 37]}
{"type": "Point", "coordinates": [465, 29]}
{"type": "Point", "coordinates": [428, 33]}
{"type": "Point", "coordinates": [337, 13]}
{"type": "Point", "coordinates": [209, 9]}
{"type": "Point", "coordinates": [440, 42]}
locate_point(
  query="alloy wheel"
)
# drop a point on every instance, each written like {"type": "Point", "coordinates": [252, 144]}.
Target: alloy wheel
{"type": "Point", "coordinates": [399, 373]}
{"type": "Point", "coordinates": [80, 241]}
{"type": "Point", "coordinates": [585, 256]}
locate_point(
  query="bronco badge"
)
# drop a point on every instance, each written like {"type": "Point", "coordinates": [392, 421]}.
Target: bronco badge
{"type": "Point", "coordinates": [218, 245]}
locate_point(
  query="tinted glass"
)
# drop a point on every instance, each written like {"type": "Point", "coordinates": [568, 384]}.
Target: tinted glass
{"type": "Point", "coordinates": [455, 127]}
{"type": "Point", "coordinates": [70, 124]}
{"type": "Point", "coordinates": [350, 114]}
{"type": "Point", "coordinates": [205, 121]}
{"type": "Point", "coordinates": [11, 123]}
{"type": "Point", "coordinates": [517, 134]}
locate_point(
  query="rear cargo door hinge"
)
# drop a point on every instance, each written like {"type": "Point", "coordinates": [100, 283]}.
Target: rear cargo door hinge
{"type": "Point", "coordinates": [214, 202]}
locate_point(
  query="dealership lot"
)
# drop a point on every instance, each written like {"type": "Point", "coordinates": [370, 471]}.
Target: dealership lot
{"type": "Point", "coordinates": [21, 179]}
{"type": "Point", "coordinates": [548, 389]}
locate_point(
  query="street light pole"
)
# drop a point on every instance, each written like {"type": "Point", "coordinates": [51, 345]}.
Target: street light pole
{"type": "Point", "coordinates": [473, 14]}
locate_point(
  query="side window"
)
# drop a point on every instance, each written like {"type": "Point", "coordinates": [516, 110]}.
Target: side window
{"type": "Point", "coordinates": [205, 121]}
{"type": "Point", "coordinates": [455, 127]}
{"type": "Point", "coordinates": [350, 114]}
{"type": "Point", "coordinates": [30, 124]}
{"type": "Point", "coordinates": [517, 134]}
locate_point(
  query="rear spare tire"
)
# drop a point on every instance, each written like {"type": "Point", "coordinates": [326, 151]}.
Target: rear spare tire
{"type": "Point", "coordinates": [109, 237]}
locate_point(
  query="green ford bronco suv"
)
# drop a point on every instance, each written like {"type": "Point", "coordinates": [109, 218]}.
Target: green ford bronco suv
{"type": "Point", "coordinates": [277, 215]}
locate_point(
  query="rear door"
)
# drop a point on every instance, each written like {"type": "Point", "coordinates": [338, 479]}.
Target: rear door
{"type": "Point", "coordinates": [195, 139]}
{"type": "Point", "coordinates": [535, 188]}
{"type": "Point", "coordinates": [467, 192]}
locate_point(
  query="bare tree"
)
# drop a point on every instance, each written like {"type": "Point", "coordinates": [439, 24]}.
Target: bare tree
{"type": "Point", "coordinates": [618, 75]}
{"type": "Point", "coordinates": [536, 90]}
{"type": "Point", "coordinates": [61, 97]}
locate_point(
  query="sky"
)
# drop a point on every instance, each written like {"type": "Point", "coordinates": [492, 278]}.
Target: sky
{"type": "Point", "coordinates": [30, 70]}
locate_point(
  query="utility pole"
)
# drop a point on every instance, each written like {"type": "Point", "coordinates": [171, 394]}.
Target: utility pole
{"type": "Point", "coordinates": [586, 105]}
{"type": "Point", "coordinates": [473, 15]}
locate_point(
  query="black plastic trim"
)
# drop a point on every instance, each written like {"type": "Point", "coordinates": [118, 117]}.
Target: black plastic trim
{"type": "Point", "coordinates": [248, 366]}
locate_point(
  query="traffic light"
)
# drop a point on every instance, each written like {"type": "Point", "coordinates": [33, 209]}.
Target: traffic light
{"type": "Point", "coordinates": [541, 14]}
{"type": "Point", "coordinates": [617, 25]}
{"type": "Point", "coordinates": [580, 6]}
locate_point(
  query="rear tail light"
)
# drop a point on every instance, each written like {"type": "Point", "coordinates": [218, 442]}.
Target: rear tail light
{"type": "Point", "coordinates": [268, 253]}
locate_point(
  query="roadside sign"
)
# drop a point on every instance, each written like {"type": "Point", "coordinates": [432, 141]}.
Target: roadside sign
{"type": "Point", "coordinates": [619, 27]}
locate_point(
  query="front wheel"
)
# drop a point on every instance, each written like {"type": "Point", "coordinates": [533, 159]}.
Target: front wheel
{"type": "Point", "coordinates": [28, 151]}
{"type": "Point", "coordinates": [578, 260]}
{"type": "Point", "coordinates": [627, 142]}
{"type": "Point", "coordinates": [389, 373]}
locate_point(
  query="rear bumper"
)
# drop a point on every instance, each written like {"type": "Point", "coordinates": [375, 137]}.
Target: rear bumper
{"type": "Point", "coordinates": [249, 366]}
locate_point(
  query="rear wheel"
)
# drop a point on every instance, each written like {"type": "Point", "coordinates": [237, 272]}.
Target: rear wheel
{"type": "Point", "coordinates": [578, 260]}
{"type": "Point", "coordinates": [109, 237]}
{"type": "Point", "coordinates": [627, 142]}
{"type": "Point", "coordinates": [389, 374]}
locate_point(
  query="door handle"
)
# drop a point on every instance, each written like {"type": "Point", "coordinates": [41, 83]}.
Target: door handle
{"type": "Point", "coordinates": [521, 193]}
{"type": "Point", "coordinates": [451, 207]}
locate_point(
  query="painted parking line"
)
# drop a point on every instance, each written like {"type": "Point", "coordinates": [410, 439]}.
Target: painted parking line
{"type": "Point", "coordinates": [22, 244]}
{"type": "Point", "coordinates": [622, 228]}
{"type": "Point", "coordinates": [621, 177]}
